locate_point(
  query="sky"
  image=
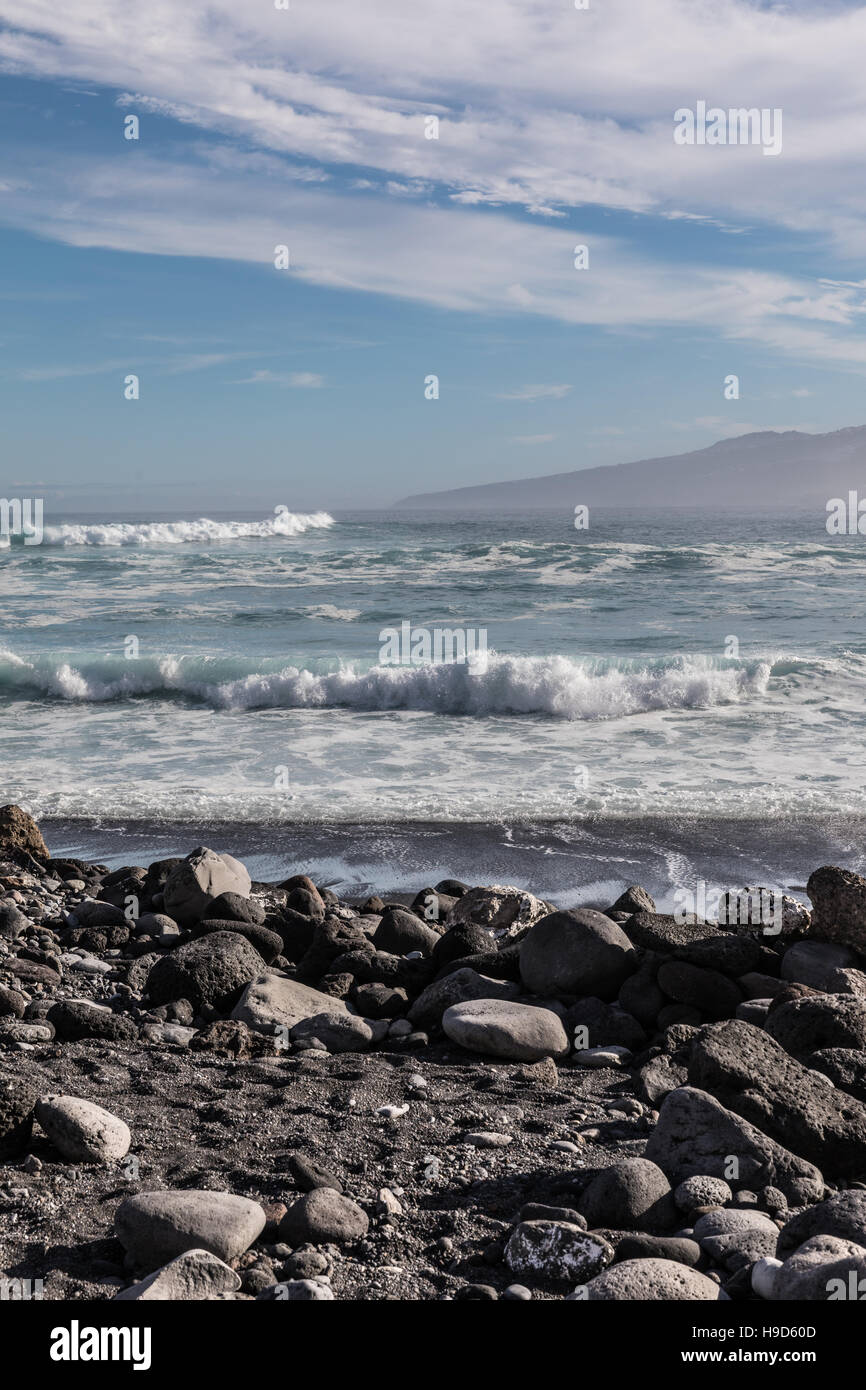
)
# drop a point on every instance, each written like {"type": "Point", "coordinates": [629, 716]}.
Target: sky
{"type": "Point", "coordinates": [410, 256]}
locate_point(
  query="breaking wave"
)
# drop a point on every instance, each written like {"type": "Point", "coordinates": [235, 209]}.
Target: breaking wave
{"type": "Point", "coordinates": [555, 686]}
{"type": "Point", "coordinates": [118, 533]}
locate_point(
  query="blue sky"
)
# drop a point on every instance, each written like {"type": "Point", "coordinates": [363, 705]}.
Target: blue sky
{"type": "Point", "coordinates": [413, 256]}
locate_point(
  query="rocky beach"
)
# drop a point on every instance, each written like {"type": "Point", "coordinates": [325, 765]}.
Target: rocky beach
{"type": "Point", "coordinates": [214, 1088]}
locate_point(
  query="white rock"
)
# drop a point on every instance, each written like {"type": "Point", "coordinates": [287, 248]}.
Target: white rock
{"type": "Point", "coordinates": [764, 1276]}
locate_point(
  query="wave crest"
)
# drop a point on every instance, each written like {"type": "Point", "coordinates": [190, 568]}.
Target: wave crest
{"type": "Point", "coordinates": [119, 533]}
{"type": "Point", "coordinates": [556, 686]}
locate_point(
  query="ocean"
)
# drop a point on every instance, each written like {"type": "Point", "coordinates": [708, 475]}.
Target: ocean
{"type": "Point", "coordinates": [666, 696]}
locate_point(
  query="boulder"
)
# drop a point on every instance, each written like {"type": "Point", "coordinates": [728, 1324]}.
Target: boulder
{"type": "Point", "coordinates": [500, 1028]}
{"type": "Point", "coordinates": [340, 1032]}
{"type": "Point", "coordinates": [457, 988]}
{"type": "Point", "coordinates": [846, 1068]}
{"type": "Point", "coordinates": [838, 907]}
{"type": "Point", "coordinates": [818, 1021]}
{"type": "Point", "coordinates": [651, 1280]}
{"type": "Point", "coordinates": [696, 1136]}
{"type": "Point", "coordinates": [578, 952]}
{"type": "Point", "coordinates": [211, 970]}
{"type": "Point", "coordinates": [323, 1217]}
{"type": "Point", "coordinates": [659, 931]}
{"type": "Point", "coordinates": [154, 1227]}
{"type": "Point", "coordinates": [193, 887]}
{"type": "Point", "coordinates": [810, 962]}
{"type": "Point", "coordinates": [748, 1071]}
{"type": "Point", "coordinates": [81, 1131]}
{"type": "Point", "coordinates": [634, 899]}
{"type": "Point", "coordinates": [556, 1251]}
{"type": "Point", "coordinates": [640, 994]}
{"type": "Point", "coordinates": [506, 912]}
{"type": "Point", "coordinates": [842, 1215]}
{"type": "Point", "coordinates": [708, 991]}
{"type": "Point", "coordinates": [605, 1024]}
{"type": "Point", "coordinates": [400, 932]}
{"type": "Point", "coordinates": [75, 1019]}
{"type": "Point", "coordinates": [633, 1194]}
{"type": "Point", "coordinates": [20, 835]}
{"type": "Point", "coordinates": [233, 907]}
{"type": "Point", "coordinates": [268, 944]}
{"type": "Point", "coordinates": [272, 1001]}
{"type": "Point", "coordinates": [823, 1269]}
{"type": "Point", "coordinates": [197, 1274]}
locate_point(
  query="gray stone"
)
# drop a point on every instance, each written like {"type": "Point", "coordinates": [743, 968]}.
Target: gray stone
{"type": "Point", "coordinates": [209, 971]}
{"type": "Point", "coordinates": [708, 991]}
{"type": "Point", "coordinates": [499, 1028]}
{"type": "Point", "coordinates": [272, 1001]}
{"type": "Point", "coordinates": [749, 1072]}
{"type": "Point", "coordinates": [578, 952]}
{"type": "Point", "coordinates": [506, 912]}
{"type": "Point", "coordinates": [652, 1280]}
{"type": "Point", "coordinates": [696, 1136]}
{"type": "Point", "coordinates": [81, 1131]}
{"type": "Point", "coordinates": [323, 1216]}
{"type": "Point", "coordinates": [632, 1194]}
{"type": "Point", "coordinates": [810, 962]}
{"type": "Point", "coordinates": [843, 1215]}
{"type": "Point", "coordinates": [154, 1227]}
{"type": "Point", "coordinates": [197, 1274]}
{"type": "Point", "coordinates": [457, 988]}
{"type": "Point", "coordinates": [194, 885]}
{"type": "Point", "coordinates": [839, 906]}
{"type": "Point", "coordinates": [701, 1191]}
{"type": "Point", "coordinates": [817, 1021]}
{"type": "Point", "coordinates": [399, 932]}
{"type": "Point", "coordinates": [339, 1032]}
{"type": "Point", "coordinates": [823, 1269]}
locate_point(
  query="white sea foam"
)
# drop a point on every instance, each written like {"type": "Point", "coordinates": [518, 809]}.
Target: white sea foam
{"type": "Point", "coordinates": [117, 533]}
{"type": "Point", "coordinates": [556, 686]}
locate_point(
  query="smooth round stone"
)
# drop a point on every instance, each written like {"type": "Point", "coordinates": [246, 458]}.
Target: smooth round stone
{"type": "Point", "coordinates": [81, 1131]}
{"type": "Point", "coordinates": [764, 1276]}
{"type": "Point", "coordinates": [518, 1292]}
{"type": "Point", "coordinates": [500, 1028]}
{"type": "Point", "coordinates": [154, 1227]}
{"type": "Point", "coordinates": [323, 1216]}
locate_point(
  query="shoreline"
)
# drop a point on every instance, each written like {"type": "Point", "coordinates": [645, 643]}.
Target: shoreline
{"type": "Point", "coordinates": [580, 859]}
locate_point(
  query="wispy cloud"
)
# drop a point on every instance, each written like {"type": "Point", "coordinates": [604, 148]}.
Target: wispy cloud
{"type": "Point", "coordinates": [302, 381]}
{"type": "Point", "coordinates": [536, 393]}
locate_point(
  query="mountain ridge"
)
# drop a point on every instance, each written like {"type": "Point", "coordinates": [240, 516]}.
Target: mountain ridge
{"type": "Point", "coordinates": [765, 468]}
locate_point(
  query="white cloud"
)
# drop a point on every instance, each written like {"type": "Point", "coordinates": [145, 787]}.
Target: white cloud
{"type": "Point", "coordinates": [536, 393]}
{"type": "Point", "coordinates": [299, 381]}
{"type": "Point", "coordinates": [567, 107]}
